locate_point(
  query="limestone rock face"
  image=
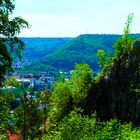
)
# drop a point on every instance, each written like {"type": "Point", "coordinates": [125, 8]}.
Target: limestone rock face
{"type": "Point", "coordinates": [115, 94]}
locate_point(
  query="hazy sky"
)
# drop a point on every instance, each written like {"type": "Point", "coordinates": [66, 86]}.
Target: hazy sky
{"type": "Point", "coordinates": [70, 18]}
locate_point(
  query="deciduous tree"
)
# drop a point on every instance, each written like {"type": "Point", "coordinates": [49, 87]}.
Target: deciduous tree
{"type": "Point", "coordinates": [80, 81]}
{"type": "Point", "coordinates": [10, 45]}
{"type": "Point", "coordinates": [123, 45]}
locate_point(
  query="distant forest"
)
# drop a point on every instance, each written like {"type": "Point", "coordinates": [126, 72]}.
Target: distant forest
{"type": "Point", "coordinates": [63, 53]}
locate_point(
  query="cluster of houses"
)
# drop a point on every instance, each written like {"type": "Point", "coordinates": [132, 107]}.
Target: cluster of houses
{"type": "Point", "coordinates": [32, 83]}
{"type": "Point", "coordinates": [39, 81]}
{"type": "Point", "coordinates": [35, 83]}
{"type": "Point", "coordinates": [22, 64]}
{"type": "Point", "coordinates": [45, 82]}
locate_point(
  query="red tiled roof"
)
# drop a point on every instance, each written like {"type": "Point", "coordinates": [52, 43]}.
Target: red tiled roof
{"type": "Point", "coordinates": [28, 78]}
{"type": "Point", "coordinates": [12, 136]}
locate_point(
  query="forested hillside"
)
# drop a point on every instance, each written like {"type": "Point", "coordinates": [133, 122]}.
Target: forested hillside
{"type": "Point", "coordinates": [64, 53]}
{"type": "Point", "coordinates": [39, 47]}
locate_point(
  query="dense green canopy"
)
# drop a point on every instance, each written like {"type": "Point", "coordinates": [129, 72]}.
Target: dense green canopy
{"type": "Point", "coordinates": [10, 45]}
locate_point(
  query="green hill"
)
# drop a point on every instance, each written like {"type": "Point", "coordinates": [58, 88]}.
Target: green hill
{"type": "Point", "coordinates": [82, 49]}
{"type": "Point", "coordinates": [39, 47]}
{"type": "Point", "coordinates": [43, 54]}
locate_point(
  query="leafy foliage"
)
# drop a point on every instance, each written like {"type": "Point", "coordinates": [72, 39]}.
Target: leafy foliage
{"type": "Point", "coordinates": [27, 117]}
{"type": "Point", "coordinates": [5, 109]}
{"type": "Point", "coordinates": [75, 126]}
{"type": "Point", "coordinates": [102, 58]}
{"type": "Point", "coordinates": [10, 45]}
{"type": "Point", "coordinates": [81, 81]}
{"type": "Point", "coordinates": [123, 45]}
{"type": "Point", "coordinates": [66, 94]}
{"type": "Point", "coordinates": [60, 101]}
{"type": "Point", "coordinates": [11, 81]}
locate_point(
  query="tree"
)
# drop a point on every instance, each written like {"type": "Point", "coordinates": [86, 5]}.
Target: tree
{"type": "Point", "coordinates": [5, 108]}
{"type": "Point", "coordinates": [61, 78]}
{"type": "Point", "coordinates": [10, 45]}
{"type": "Point", "coordinates": [11, 81]}
{"type": "Point", "coordinates": [102, 58]}
{"type": "Point", "coordinates": [60, 101]}
{"type": "Point", "coordinates": [123, 45]}
{"type": "Point", "coordinates": [80, 81]}
{"type": "Point", "coordinates": [28, 117]}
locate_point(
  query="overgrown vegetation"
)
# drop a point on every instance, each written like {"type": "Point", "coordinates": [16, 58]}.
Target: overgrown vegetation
{"type": "Point", "coordinates": [10, 45]}
{"type": "Point", "coordinates": [75, 127]}
{"type": "Point", "coordinates": [123, 45]}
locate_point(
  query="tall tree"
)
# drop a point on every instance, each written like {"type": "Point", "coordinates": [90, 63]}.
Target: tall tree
{"type": "Point", "coordinates": [28, 117]}
{"type": "Point", "coordinates": [81, 81]}
{"type": "Point", "coordinates": [5, 115]}
{"type": "Point", "coordinates": [102, 58]}
{"type": "Point", "coordinates": [10, 45]}
{"type": "Point", "coordinates": [123, 44]}
{"type": "Point", "coordinates": [60, 101]}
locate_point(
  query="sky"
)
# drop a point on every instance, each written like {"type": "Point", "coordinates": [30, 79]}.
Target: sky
{"type": "Point", "coordinates": [70, 18]}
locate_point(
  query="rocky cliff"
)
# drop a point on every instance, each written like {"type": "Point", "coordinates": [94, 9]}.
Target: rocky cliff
{"type": "Point", "coordinates": [116, 93]}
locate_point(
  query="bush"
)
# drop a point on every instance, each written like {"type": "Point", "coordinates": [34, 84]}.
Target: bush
{"type": "Point", "coordinates": [74, 127]}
